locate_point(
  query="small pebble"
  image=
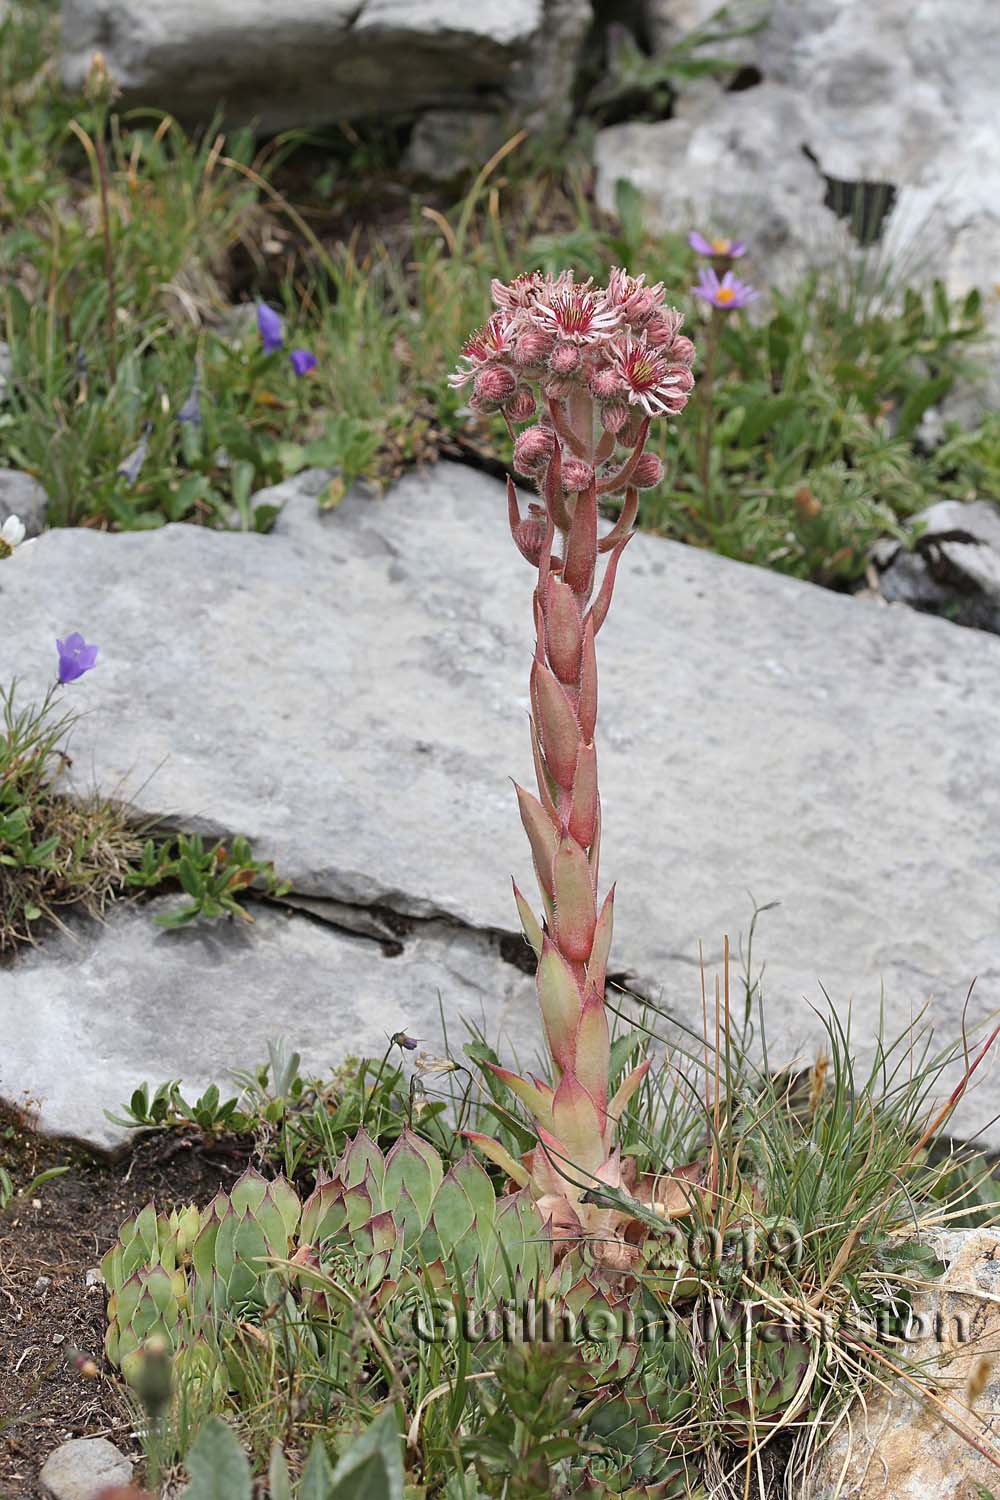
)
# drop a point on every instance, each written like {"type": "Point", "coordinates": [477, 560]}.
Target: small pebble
{"type": "Point", "coordinates": [94, 1277]}
{"type": "Point", "coordinates": [81, 1467]}
{"type": "Point", "coordinates": [42, 1285]}
{"type": "Point", "coordinates": [58, 1338]}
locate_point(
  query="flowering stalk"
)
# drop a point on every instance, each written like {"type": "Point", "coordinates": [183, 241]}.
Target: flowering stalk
{"type": "Point", "coordinates": [725, 293]}
{"type": "Point", "coordinates": [706, 395]}
{"type": "Point", "coordinates": [596, 365]}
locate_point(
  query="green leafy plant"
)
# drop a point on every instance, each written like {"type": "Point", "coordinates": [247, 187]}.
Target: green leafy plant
{"type": "Point", "coordinates": [647, 84]}
{"type": "Point", "coordinates": [214, 878]}
{"type": "Point", "coordinates": [56, 852]}
{"type": "Point", "coordinates": [9, 1192]}
{"type": "Point", "coordinates": [371, 1467]}
{"type": "Point", "coordinates": [167, 1106]}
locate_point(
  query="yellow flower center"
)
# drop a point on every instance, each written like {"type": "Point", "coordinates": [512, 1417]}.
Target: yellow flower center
{"type": "Point", "coordinates": [725, 295]}
{"type": "Point", "coordinates": [721, 247]}
{"type": "Point", "coordinates": [6, 550]}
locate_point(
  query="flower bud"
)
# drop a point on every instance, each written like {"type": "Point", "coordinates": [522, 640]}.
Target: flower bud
{"type": "Point", "coordinates": [682, 350]}
{"type": "Point", "coordinates": [494, 386]}
{"type": "Point", "coordinates": [614, 415]}
{"type": "Point", "coordinates": [676, 399]}
{"type": "Point", "coordinates": [564, 359]}
{"type": "Point", "coordinates": [522, 405]}
{"type": "Point", "coordinates": [533, 346]}
{"type": "Point", "coordinates": [532, 449]}
{"type": "Point", "coordinates": [606, 383]}
{"type": "Point", "coordinates": [663, 330]}
{"type": "Point", "coordinates": [558, 387]}
{"type": "Point", "coordinates": [576, 475]}
{"type": "Point", "coordinates": [647, 473]}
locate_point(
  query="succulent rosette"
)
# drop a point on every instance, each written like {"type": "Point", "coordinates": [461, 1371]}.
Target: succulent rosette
{"type": "Point", "coordinates": [597, 365]}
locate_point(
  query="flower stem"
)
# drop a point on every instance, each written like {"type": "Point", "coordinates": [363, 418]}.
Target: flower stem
{"type": "Point", "coordinates": [109, 263]}
{"type": "Point", "coordinates": [706, 388]}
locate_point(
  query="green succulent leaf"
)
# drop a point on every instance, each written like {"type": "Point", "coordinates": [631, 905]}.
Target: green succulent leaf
{"type": "Point", "coordinates": [372, 1468]}
{"type": "Point", "coordinates": [217, 1465]}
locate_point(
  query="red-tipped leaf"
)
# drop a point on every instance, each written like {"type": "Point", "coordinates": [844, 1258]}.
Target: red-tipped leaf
{"type": "Point", "coordinates": [557, 726]}
{"type": "Point", "coordinates": [573, 894]}
{"type": "Point", "coordinates": [581, 546]}
{"type": "Point", "coordinates": [563, 630]}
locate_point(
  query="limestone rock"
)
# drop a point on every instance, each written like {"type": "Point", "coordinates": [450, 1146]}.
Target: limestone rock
{"type": "Point", "coordinates": [902, 1448]}
{"type": "Point", "coordinates": [954, 567]}
{"type": "Point", "coordinates": [88, 1017]}
{"type": "Point", "coordinates": [22, 496]}
{"type": "Point", "coordinates": [309, 62]}
{"type": "Point", "coordinates": [77, 1470]}
{"type": "Point", "coordinates": [852, 94]}
{"type": "Point", "coordinates": [445, 144]}
{"type": "Point", "coordinates": [350, 693]}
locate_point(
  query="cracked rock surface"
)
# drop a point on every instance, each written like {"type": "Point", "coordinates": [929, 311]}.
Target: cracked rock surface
{"type": "Point", "coordinates": [351, 693]}
{"type": "Point", "coordinates": [93, 1014]}
{"type": "Point", "coordinates": [900, 95]}
{"type": "Point", "coordinates": [310, 62]}
{"type": "Point", "coordinates": [953, 566]}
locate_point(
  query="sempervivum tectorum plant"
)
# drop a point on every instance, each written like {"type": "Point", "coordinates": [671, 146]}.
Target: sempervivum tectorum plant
{"type": "Point", "coordinates": [589, 368]}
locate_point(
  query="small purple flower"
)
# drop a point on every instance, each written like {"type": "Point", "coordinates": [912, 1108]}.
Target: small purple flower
{"type": "Point", "coordinates": [727, 294]}
{"type": "Point", "coordinates": [75, 657]}
{"type": "Point", "coordinates": [269, 324]}
{"type": "Point", "coordinates": [718, 248]}
{"type": "Point", "coordinates": [191, 410]}
{"type": "Point", "coordinates": [131, 467]}
{"type": "Point", "coordinates": [302, 361]}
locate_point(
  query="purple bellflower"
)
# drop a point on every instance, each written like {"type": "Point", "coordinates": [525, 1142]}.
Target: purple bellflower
{"type": "Point", "coordinates": [269, 324]}
{"type": "Point", "coordinates": [302, 361]}
{"type": "Point", "coordinates": [75, 657]}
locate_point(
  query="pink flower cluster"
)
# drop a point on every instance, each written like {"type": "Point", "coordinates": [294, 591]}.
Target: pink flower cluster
{"type": "Point", "coordinates": [612, 356]}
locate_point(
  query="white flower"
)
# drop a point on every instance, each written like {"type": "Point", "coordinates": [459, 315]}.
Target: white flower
{"type": "Point", "coordinates": [11, 535]}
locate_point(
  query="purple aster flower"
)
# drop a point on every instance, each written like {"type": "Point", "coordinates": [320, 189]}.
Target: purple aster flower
{"type": "Point", "coordinates": [75, 657]}
{"type": "Point", "coordinates": [302, 361]}
{"type": "Point", "coordinates": [727, 294]}
{"type": "Point", "coordinates": [269, 324]}
{"type": "Point", "coordinates": [721, 247]}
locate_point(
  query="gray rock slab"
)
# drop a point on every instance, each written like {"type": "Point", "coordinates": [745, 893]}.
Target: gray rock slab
{"type": "Point", "coordinates": [308, 62]}
{"type": "Point", "coordinates": [91, 1015]}
{"type": "Point", "coordinates": [863, 90]}
{"type": "Point", "coordinates": [953, 568]}
{"type": "Point", "coordinates": [77, 1470]}
{"type": "Point", "coordinates": [24, 497]}
{"type": "Point", "coordinates": [351, 693]}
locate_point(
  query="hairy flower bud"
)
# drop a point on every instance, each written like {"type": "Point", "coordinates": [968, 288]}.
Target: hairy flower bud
{"type": "Point", "coordinates": [576, 475]}
{"type": "Point", "coordinates": [532, 449]}
{"type": "Point", "coordinates": [663, 329]}
{"type": "Point", "coordinates": [606, 383]}
{"type": "Point", "coordinates": [647, 473]}
{"type": "Point", "coordinates": [682, 350]}
{"type": "Point", "coordinates": [494, 386]}
{"type": "Point", "coordinates": [533, 346]}
{"type": "Point", "coordinates": [565, 359]}
{"type": "Point", "coordinates": [522, 405]}
{"type": "Point", "coordinates": [614, 415]}
{"type": "Point", "coordinates": [558, 387]}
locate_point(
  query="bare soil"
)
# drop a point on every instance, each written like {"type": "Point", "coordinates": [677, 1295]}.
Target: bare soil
{"type": "Point", "coordinates": [51, 1321]}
